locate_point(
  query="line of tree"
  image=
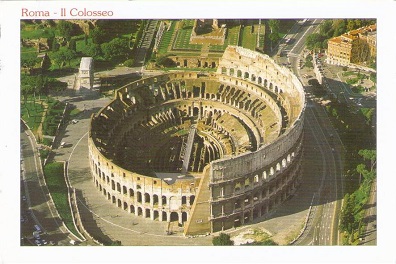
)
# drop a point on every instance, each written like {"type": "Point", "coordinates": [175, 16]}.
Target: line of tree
{"type": "Point", "coordinates": [352, 213]}
{"type": "Point", "coordinates": [332, 28]}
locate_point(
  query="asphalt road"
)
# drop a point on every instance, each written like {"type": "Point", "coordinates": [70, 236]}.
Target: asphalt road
{"type": "Point", "coordinates": [36, 206]}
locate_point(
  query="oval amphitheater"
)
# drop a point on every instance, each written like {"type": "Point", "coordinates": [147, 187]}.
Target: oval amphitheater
{"type": "Point", "coordinates": [210, 151]}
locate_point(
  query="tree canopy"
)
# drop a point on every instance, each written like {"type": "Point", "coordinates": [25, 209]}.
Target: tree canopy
{"type": "Point", "coordinates": [115, 49]}
{"type": "Point", "coordinates": [222, 240]}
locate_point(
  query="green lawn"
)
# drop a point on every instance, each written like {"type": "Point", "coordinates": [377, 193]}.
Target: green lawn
{"type": "Point", "coordinates": [32, 113]}
{"type": "Point", "coordinates": [54, 176]}
{"type": "Point", "coordinates": [249, 39]}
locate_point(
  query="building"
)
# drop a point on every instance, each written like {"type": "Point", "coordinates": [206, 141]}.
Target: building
{"type": "Point", "coordinates": [85, 74]}
{"type": "Point", "coordinates": [209, 151]}
{"type": "Point", "coordinates": [354, 47]}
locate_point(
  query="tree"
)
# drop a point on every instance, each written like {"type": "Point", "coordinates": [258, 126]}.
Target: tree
{"type": "Point", "coordinates": [92, 50]}
{"type": "Point", "coordinates": [73, 45]}
{"type": "Point", "coordinates": [63, 55]}
{"type": "Point", "coordinates": [274, 30]}
{"type": "Point", "coordinates": [29, 60]}
{"type": "Point", "coordinates": [369, 154]}
{"type": "Point", "coordinates": [65, 29]}
{"type": "Point", "coordinates": [222, 240]}
{"type": "Point", "coordinates": [314, 41]}
{"type": "Point", "coordinates": [115, 49]}
{"type": "Point", "coordinates": [98, 35]}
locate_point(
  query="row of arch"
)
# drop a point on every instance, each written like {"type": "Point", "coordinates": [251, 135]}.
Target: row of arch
{"type": "Point", "coordinates": [263, 82]}
{"type": "Point", "coordinates": [145, 212]}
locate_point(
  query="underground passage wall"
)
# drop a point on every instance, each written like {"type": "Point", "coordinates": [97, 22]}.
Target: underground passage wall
{"type": "Point", "coordinates": [210, 151]}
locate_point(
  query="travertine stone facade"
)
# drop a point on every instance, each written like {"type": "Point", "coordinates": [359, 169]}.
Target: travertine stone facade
{"type": "Point", "coordinates": [246, 151]}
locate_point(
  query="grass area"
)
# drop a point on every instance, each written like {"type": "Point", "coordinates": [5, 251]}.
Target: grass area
{"type": "Point", "coordinates": [166, 39]}
{"type": "Point", "coordinates": [33, 31]}
{"type": "Point", "coordinates": [53, 117]}
{"type": "Point", "coordinates": [232, 38]}
{"type": "Point", "coordinates": [249, 39]}
{"type": "Point", "coordinates": [54, 176]}
{"type": "Point", "coordinates": [32, 112]}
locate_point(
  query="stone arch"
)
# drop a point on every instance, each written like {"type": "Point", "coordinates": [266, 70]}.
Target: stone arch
{"type": "Point", "coordinates": [232, 72]}
{"type": "Point", "coordinates": [164, 216]}
{"type": "Point", "coordinates": [246, 75]}
{"type": "Point", "coordinates": [140, 211]}
{"type": "Point", "coordinates": [265, 83]}
{"type": "Point", "coordinates": [113, 199]}
{"type": "Point", "coordinates": [184, 217]}
{"type": "Point", "coordinates": [174, 216]}
{"type": "Point", "coordinates": [119, 203]}
{"type": "Point", "coordinates": [112, 185]}
{"type": "Point", "coordinates": [288, 158]}
{"type": "Point", "coordinates": [278, 167]}
{"type": "Point", "coordinates": [272, 172]}
{"type": "Point", "coordinates": [256, 178]}
{"type": "Point", "coordinates": [239, 73]}
{"type": "Point", "coordinates": [148, 213]}
{"type": "Point", "coordinates": [276, 89]}
{"type": "Point", "coordinates": [131, 192]}
{"type": "Point", "coordinates": [118, 187]}
{"type": "Point", "coordinates": [132, 209]}
{"type": "Point", "coordinates": [147, 198]}
{"type": "Point", "coordinates": [155, 199]}
{"type": "Point", "coordinates": [271, 86]}
{"type": "Point", "coordinates": [125, 206]}
{"type": "Point", "coordinates": [139, 197]}
{"type": "Point", "coordinates": [155, 215]}
{"type": "Point", "coordinates": [264, 175]}
{"type": "Point", "coordinates": [192, 199]}
{"type": "Point", "coordinates": [164, 200]}
{"type": "Point", "coordinates": [253, 78]}
{"type": "Point", "coordinates": [283, 163]}
{"type": "Point", "coordinates": [260, 80]}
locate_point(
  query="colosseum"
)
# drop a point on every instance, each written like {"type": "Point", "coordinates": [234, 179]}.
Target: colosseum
{"type": "Point", "coordinates": [212, 151]}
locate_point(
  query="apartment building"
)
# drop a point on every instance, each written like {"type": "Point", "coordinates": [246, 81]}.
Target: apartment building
{"type": "Point", "coordinates": [356, 46]}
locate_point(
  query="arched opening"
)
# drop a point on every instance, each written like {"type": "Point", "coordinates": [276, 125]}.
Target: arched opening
{"type": "Point", "coordinates": [192, 199]}
{"type": "Point", "coordinates": [164, 216]}
{"type": "Point", "coordinates": [147, 198]}
{"type": "Point", "coordinates": [124, 190]}
{"type": "Point", "coordinates": [213, 64]}
{"type": "Point", "coordinates": [195, 111]}
{"type": "Point", "coordinates": [232, 72]}
{"type": "Point", "coordinates": [184, 200]}
{"type": "Point", "coordinates": [118, 187]}
{"type": "Point", "coordinates": [246, 75]}
{"type": "Point", "coordinates": [108, 196]}
{"type": "Point", "coordinates": [156, 214]}
{"type": "Point", "coordinates": [139, 197]}
{"type": "Point", "coordinates": [155, 199]}
{"type": "Point", "coordinates": [260, 80]}
{"type": "Point", "coordinates": [125, 206]}
{"type": "Point", "coordinates": [239, 73]}
{"type": "Point", "coordinates": [140, 211]}
{"type": "Point", "coordinates": [112, 185]}
{"type": "Point", "coordinates": [174, 217]}
{"type": "Point", "coordinates": [132, 209]}
{"type": "Point", "coordinates": [163, 200]}
{"type": "Point", "coordinates": [113, 199]}
{"type": "Point", "coordinates": [119, 203]}
{"type": "Point", "coordinates": [246, 217]}
{"type": "Point", "coordinates": [278, 167]}
{"type": "Point", "coordinates": [223, 70]}
{"type": "Point", "coordinates": [148, 213]}
{"type": "Point", "coordinates": [184, 217]}
{"type": "Point", "coordinates": [185, 63]}
{"type": "Point", "coordinates": [131, 193]}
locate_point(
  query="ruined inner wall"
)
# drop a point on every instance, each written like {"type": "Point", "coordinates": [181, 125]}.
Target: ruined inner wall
{"type": "Point", "coordinates": [267, 100]}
